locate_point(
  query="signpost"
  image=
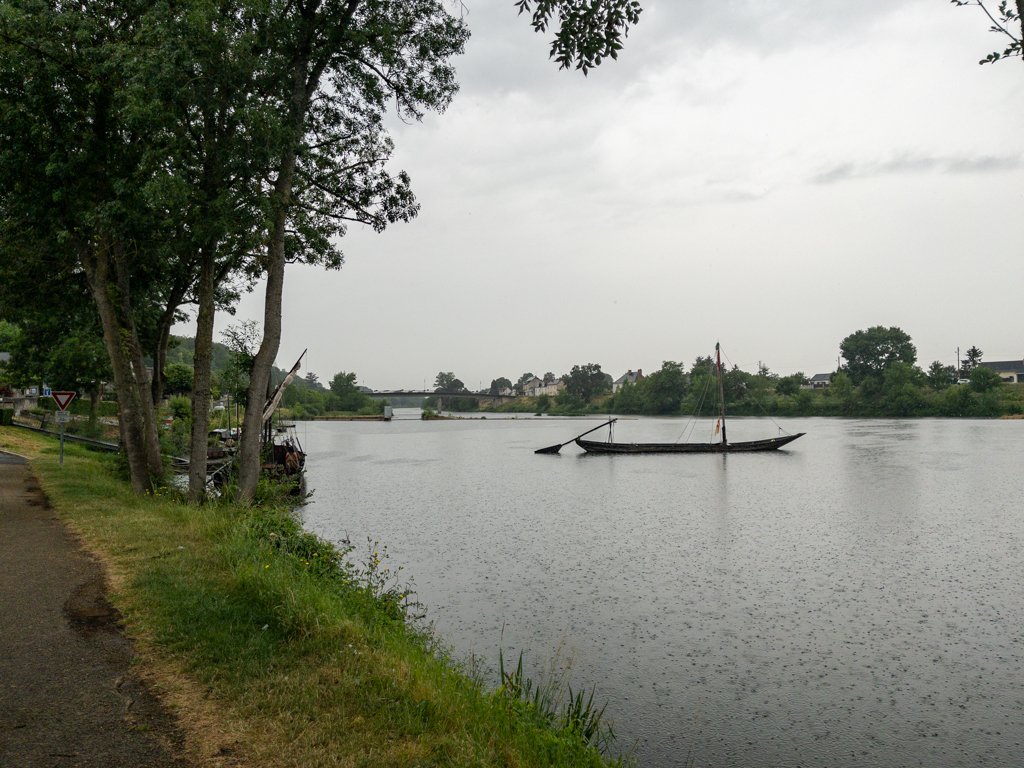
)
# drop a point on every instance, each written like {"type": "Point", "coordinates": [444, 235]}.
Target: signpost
{"type": "Point", "coordinates": [63, 400]}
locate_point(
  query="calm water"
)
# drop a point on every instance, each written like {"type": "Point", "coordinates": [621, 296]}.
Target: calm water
{"type": "Point", "coordinates": [857, 600]}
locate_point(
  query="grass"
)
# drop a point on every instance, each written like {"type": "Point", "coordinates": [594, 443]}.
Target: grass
{"type": "Point", "coordinates": [273, 648]}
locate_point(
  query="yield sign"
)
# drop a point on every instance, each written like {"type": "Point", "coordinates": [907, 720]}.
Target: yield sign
{"type": "Point", "coordinates": [63, 399]}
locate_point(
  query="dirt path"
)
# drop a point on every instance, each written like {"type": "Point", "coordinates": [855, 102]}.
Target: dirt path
{"type": "Point", "coordinates": [68, 696]}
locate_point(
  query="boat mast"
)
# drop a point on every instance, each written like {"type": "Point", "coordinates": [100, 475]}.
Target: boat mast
{"type": "Point", "coordinates": [721, 391]}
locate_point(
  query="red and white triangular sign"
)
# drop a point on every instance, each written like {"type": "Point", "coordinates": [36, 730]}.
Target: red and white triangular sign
{"type": "Point", "coordinates": [63, 399]}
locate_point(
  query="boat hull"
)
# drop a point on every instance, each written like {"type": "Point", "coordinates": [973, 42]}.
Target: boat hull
{"type": "Point", "coordinates": [749, 446]}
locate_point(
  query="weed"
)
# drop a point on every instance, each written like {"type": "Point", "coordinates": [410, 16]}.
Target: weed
{"type": "Point", "coordinates": [580, 718]}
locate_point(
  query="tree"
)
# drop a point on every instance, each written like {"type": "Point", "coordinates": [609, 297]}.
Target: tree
{"type": "Point", "coordinates": [842, 390]}
{"type": "Point", "coordinates": [212, 127]}
{"type": "Point", "coordinates": [585, 382]}
{"type": "Point", "coordinates": [447, 382]}
{"type": "Point", "coordinates": [63, 355]}
{"type": "Point", "coordinates": [1005, 22]}
{"type": "Point", "coordinates": [941, 376]}
{"type": "Point", "coordinates": [241, 339]}
{"type": "Point", "coordinates": [9, 333]}
{"type": "Point", "coordinates": [737, 384]}
{"type": "Point", "coordinates": [335, 67]}
{"type": "Point", "coordinates": [179, 378]}
{"type": "Point", "coordinates": [984, 379]}
{"type": "Point", "coordinates": [901, 389]}
{"type": "Point", "coordinates": [790, 385]}
{"type": "Point", "coordinates": [58, 339]}
{"type": "Point", "coordinates": [970, 362]}
{"type": "Point", "coordinates": [588, 32]}
{"type": "Point", "coordinates": [497, 385]}
{"type": "Point", "coordinates": [67, 107]}
{"type": "Point", "coordinates": [868, 353]}
{"type": "Point", "coordinates": [345, 395]}
{"type": "Point", "coordinates": [703, 364]}
{"type": "Point", "coordinates": [662, 392]}
{"type": "Point", "coordinates": [628, 398]}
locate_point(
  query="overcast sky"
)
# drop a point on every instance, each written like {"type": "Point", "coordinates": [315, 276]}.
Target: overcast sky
{"type": "Point", "coordinates": [774, 175]}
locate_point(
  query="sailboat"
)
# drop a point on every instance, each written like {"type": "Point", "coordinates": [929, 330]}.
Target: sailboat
{"type": "Point", "coordinates": [723, 446]}
{"type": "Point", "coordinates": [282, 452]}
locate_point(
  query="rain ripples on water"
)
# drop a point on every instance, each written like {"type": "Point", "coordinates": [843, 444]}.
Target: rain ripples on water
{"type": "Point", "coordinates": [855, 600]}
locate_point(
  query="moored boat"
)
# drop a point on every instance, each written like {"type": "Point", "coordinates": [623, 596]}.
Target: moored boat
{"type": "Point", "coordinates": [721, 446]}
{"type": "Point", "coordinates": [748, 446]}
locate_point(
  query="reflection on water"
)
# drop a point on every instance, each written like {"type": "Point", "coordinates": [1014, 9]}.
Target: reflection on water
{"type": "Point", "coordinates": [855, 600]}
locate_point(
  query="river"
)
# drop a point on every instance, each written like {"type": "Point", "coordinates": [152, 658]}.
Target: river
{"type": "Point", "coordinates": [854, 600]}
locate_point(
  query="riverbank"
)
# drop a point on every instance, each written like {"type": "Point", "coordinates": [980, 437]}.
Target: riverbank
{"type": "Point", "coordinates": [267, 649]}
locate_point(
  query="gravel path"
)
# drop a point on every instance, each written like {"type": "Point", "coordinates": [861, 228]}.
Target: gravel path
{"type": "Point", "coordinates": [68, 695]}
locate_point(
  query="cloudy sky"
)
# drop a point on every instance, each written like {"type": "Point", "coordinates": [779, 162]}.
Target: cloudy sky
{"type": "Point", "coordinates": [774, 174]}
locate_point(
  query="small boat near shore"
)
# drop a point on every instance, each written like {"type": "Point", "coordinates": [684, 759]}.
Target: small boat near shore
{"type": "Point", "coordinates": [721, 446]}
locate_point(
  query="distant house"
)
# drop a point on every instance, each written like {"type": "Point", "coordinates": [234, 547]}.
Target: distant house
{"type": "Point", "coordinates": [629, 377]}
{"type": "Point", "coordinates": [19, 399]}
{"type": "Point", "coordinates": [530, 387]}
{"type": "Point", "coordinates": [818, 381]}
{"type": "Point", "coordinates": [506, 392]}
{"type": "Point", "coordinates": [1011, 371]}
{"type": "Point", "coordinates": [552, 389]}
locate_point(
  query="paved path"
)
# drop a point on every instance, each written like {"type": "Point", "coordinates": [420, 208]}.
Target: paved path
{"type": "Point", "coordinates": [68, 697]}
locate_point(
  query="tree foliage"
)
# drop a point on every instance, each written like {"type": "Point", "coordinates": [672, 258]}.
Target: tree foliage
{"type": "Point", "coordinates": [179, 378]}
{"type": "Point", "coordinates": [869, 353]}
{"type": "Point", "coordinates": [585, 382]}
{"type": "Point", "coordinates": [587, 32]}
{"type": "Point", "coordinates": [497, 385]}
{"type": "Point", "coordinates": [984, 379]}
{"type": "Point", "coordinates": [941, 376]}
{"type": "Point", "coordinates": [446, 381]}
{"type": "Point", "coordinates": [790, 385]}
{"type": "Point", "coordinates": [662, 392]}
{"type": "Point", "coordinates": [971, 359]}
{"type": "Point", "coordinates": [1007, 21]}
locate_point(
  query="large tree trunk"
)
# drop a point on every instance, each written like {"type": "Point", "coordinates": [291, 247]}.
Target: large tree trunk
{"type": "Point", "coordinates": [201, 378]}
{"type": "Point", "coordinates": [1020, 18]}
{"type": "Point", "coordinates": [137, 421]}
{"type": "Point", "coordinates": [259, 377]}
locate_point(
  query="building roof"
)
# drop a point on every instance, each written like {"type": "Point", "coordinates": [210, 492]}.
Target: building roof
{"type": "Point", "coordinates": [630, 376]}
{"type": "Point", "coordinates": [826, 377]}
{"type": "Point", "coordinates": [1006, 366]}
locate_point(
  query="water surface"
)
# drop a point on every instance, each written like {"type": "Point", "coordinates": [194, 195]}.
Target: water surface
{"type": "Point", "coordinates": [854, 600]}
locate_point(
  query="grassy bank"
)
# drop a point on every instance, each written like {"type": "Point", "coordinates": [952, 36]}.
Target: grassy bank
{"type": "Point", "coordinates": [275, 651]}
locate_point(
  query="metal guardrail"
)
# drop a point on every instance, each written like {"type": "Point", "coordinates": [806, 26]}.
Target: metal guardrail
{"type": "Point", "coordinates": [100, 445]}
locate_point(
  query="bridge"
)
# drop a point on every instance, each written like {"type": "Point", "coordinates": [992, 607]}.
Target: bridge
{"type": "Point", "coordinates": [442, 393]}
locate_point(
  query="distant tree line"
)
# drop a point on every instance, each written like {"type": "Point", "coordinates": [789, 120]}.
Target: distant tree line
{"type": "Point", "coordinates": [305, 397]}
{"type": "Point", "coordinates": [879, 377]}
